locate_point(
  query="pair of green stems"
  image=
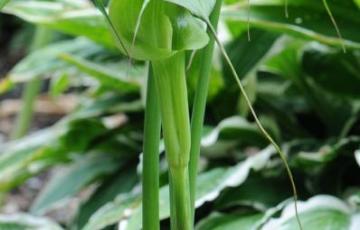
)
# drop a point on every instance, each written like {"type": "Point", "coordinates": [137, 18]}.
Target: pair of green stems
{"type": "Point", "coordinates": [167, 105]}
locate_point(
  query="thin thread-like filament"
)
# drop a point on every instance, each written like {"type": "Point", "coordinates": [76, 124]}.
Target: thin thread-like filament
{"type": "Point", "coordinates": [258, 123]}
{"type": "Point", "coordinates": [327, 8]}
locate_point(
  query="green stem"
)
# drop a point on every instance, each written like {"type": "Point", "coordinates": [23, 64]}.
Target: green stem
{"type": "Point", "coordinates": [180, 197]}
{"type": "Point", "coordinates": [151, 158]}
{"type": "Point", "coordinates": [31, 90]}
{"type": "Point", "coordinates": [170, 80]}
{"type": "Point", "coordinates": [199, 105]}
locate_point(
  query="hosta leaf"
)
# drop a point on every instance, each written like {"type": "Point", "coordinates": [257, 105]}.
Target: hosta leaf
{"type": "Point", "coordinates": [229, 129]}
{"type": "Point", "coordinates": [3, 3]}
{"type": "Point", "coordinates": [107, 76]}
{"type": "Point", "coordinates": [46, 59]}
{"type": "Point", "coordinates": [249, 193]}
{"type": "Point", "coordinates": [230, 132]}
{"type": "Point", "coordinates": [217, 221]}
{"type": "Point", "coordinates": [70, 181]}
{"type": "Point", "coordinates": [119, 183]}
{"type": "Point", "coordinates": [307, 19]}
{"type": "Point", "coordinates": [199, 8]}
{"type": "Point", "coordinates": [210, 184]}
{"type": "Point", "coordinates": [65, 18]}
{"type": "Point", "coordinates": [333, 71]}
{"type": "Point", "coordinates": [22, 159]}
{"type": "Point", "coordinates": [24, 221]}
{"type": "Point", "coordinates": [319, 212]}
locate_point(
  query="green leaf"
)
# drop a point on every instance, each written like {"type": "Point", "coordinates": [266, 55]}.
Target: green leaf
{"type": "Point", "coordinates": [24, 221]}
{"type": "Point", "coordinates": [28, 156]}
{"type": "Point", "coordinates": [226, 135]}
{"type": "Point", "coordinates": [3, 3]}
{"type": "Point", "coordinates": [199, 8]}
{"type": "Point", "coordinates": [335, 112]}
{"type": "Point", "coordinates": [24, 158]}
{"type": "Point", "coordinates": [69, 182]}
{"type": "Point", "coordinates": [218, 221]}
{"type": "Point", "coordinates": [250, 193]}
{"type": "Point", "coordinates": [315, 158]}
{"type": "Point", "coordinates": [47, 60]}
{"type": "Point", "coordinates": [209, 186]}
{"type": "Point", "coordinates": [108, 76]}
{"type": "Point", "coordinates": [64, 17]}
{"type": "Point", "coordinates": [336, 72]}
{"type": "Point", "coordinates": [59, 85]}
{"type": "Point", "coordinates": [319, 212]}
{"type": "Point", "coordinates": [119, 183]}
{"type": "Point", "coordinates": [307, 19]}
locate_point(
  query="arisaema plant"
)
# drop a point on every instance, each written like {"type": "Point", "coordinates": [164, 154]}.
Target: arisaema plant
{"type": "Point", "coordinates": [166, 34]}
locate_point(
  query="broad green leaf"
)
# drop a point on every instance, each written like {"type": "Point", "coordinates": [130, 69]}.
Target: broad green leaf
{"type": "Point", "coordinates": [119, 183]}
{"type": "Point", "coordinates": [357, 3]}
{"type": "Point", "coordinates": [336, 72]}
{"type": "Point", "coordinates": [209, 186]}
{"type": "Point", "coordinates": [308, 20]}
{"type": "Point", "coordinates": [255, 52]}
{"type": "Point", "coordinates": [107, 104]}
{"type": "Point", "coordinates": [108, 76]}
{"type": "Point", "coordinates": [319, 212]}
{"type": "Point", "coordinates": [311, 160]}
{"type": "Point", "coordinates": [71, 180]}
{"type": "Point", "coordinates": [230, 129]}
{"type": "Point", "coordinates": [199, 8]}
{"type": "Point", "coordinates": [231, 132]}
{"type": "Point", "coordinates": [334, 112]}
{"type": "Point", "coordinates": [85, 21]}
{"type": "Point", "coordinates": [24, 158]}
{"type": "Point", "coordinates": [250, 193]}
{"type": "Point", "coordinates": [46, 59]}
{"type": "Point", "coordinates": [26, 222]}
{"type": "Point", "coordinates": [218, 221]}
{"type": "Point", "coordinates": [3, 3]}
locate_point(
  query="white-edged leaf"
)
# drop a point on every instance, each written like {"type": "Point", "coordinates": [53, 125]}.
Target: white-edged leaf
{"type": "Point", "coordinates": [127, 210]}
{"type": "Point", "coordinates": [78, 20]}
{"type": "Point", "coordinates": [72, 179]}
{"type": "Point", "coordinates": [357, 156]}
{"type": "Point", "coordinates": [24, 221]}
{"type": "Point", "coordinates": [3, 3]}
{"type": "Point", "coordinates": [319, 212]}
{"type": "Point", "coordinates": [218, 221]}
{"type": "Point", "coordinates": [47, 60]}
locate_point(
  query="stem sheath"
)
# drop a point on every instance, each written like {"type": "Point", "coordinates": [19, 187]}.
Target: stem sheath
{"type": "Point", "coordinates": [170, 80]}
{"type": "Point", "coordinates": [180, 198]}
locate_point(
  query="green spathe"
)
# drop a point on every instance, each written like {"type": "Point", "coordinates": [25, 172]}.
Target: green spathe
{"type": "Point", "coordinates": [154, 30]}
